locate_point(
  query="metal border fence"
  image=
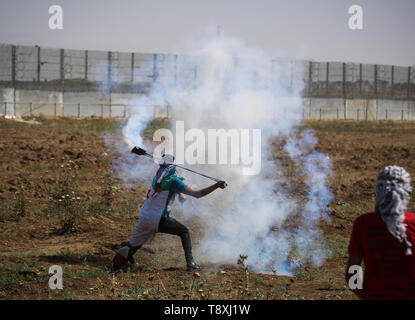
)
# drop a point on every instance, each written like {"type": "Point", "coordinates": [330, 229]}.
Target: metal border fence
{"type": "Point", "coordinates": [83, 70]}
{"type": "Point", "coordinates": [100, 75]}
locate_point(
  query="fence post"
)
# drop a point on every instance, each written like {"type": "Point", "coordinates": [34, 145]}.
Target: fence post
{"type": "Point", "coordinates": [62, 69]}
{"type": "Point", "coordinates": [86, 65]}
{"type": "Point", "coordinates": [360, 81]}
{"type": "Point", "coordinates": [38, 63]}
{"type": "Point", "coordinates": [132, 68]}
{"type": "Point", "coordinates": [55, 110]}
{"type": "Point", "coordinates": [358, 114]}
{"type": "Point", "coordinates": [376, 81]}
{"type": "Point", "coordinates": [109, 71]}
{"type": "Point", "coordinates": [386, 114]}
{"type": "Point", "coordinates": [409, 83]}
{"type": "Point", "coordinates": [30, 108]}
{"type": "Point", "coordinates": [110, 110]}
{"type": "Point", "coordinates": [102, 110]}
{"type": "Point", "coordinates": [345, 109]}
{"type": "Point", "coordinates": [79, 110]}
{"type": "Point", "coordinates": [320, 113]}
{"type": "Point", "coordinates": [392, 81]}
{"type": "Point", "coordinates": [401, 114]}
{"type": "Point", "coordinates": [309, 108]}
{"type": "Point", "coordinates": [155, 67]}
{"type": "Point", "coordinates": [344, 81]}
{"type": "Point", "coordinates": [344, 90]}
{"type": "Point", "coordinates": [5, 108]}
{"type": "Point", "coordinates": [327, 78]}
{"type": "Point", "coordinates": [310, 77]}
{"type": "Point", "coordinates": [13, 66]}
{"type": "Point", "coordinates": [109, 76]}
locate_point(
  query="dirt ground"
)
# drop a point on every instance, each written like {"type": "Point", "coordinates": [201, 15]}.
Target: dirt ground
{"type": "Point", "coordinates": [62, 204]}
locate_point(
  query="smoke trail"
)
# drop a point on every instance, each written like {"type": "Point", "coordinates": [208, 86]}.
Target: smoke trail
{"type": "Point", "coordinates": [130, 168]}
{"type": "Point", "coordinates": [316, 168]}
{"type": "Point", "coordinates": [232, 86]}
{"type": "Point", "coordinates": [140, 110]}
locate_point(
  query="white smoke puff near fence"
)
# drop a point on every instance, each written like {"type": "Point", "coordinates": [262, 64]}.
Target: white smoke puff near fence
{"type": "Point", "coordinates": [240, 87]}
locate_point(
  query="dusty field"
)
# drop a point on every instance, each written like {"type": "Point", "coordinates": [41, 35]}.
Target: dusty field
{"type": "Point", "coordinates": [61, 204]}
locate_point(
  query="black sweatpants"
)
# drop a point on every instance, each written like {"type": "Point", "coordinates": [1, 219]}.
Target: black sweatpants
{"type": "Point", "coordinates": [172, 226]}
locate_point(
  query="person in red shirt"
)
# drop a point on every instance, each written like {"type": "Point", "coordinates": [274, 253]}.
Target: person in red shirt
{"type": "Point", "coordinates": [384, 239]}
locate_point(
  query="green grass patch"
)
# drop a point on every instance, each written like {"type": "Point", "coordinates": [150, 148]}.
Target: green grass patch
{"type": "Point", "coordinates": [82, 272]}
{"type": "Point", "coordinates": [13, 210]}
{"type": "Point", "coordinates": [337, 245]}
{"type": "Point", "coordinates": [310, 274]}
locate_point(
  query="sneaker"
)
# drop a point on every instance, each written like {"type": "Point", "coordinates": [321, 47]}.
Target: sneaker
{"type": "Point", "coordinates": [121, 259]}
{"type": "Point", "coordinates": [192, 266]}
{"type": "Point", "coordinates": [118, 263]}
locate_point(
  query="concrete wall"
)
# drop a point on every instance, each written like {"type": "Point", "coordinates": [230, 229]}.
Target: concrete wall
{"type": "Point", "coordinates": [395, 110]}
{"type": "Point", "coordinates": [358, 109]}
{"type": "Point", "coordinates": [86, 104]}
{"type": "Point", "coordinates": [23, 102]}
{"type": "Point", "coordinates": [37, 102]}
{"type": "Point", "coordinates": [6, 101]}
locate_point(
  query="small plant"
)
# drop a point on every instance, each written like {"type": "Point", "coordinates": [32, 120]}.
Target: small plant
{"type": "Point", "coordinates": [194, 287]}
{"type": "Point", "coordinates": [13, 210]}
{"type": "Point", "coordinates": [309, 274]}
{"type": "Point", "coordinates": [68, 226]}
{"type": "Point", "coordinates": [107, 196]}
{"type": "Point", "coordinates": [114, 285]}
{"type": "Point", "coordinates": [286, 290]}
{"type": "Point", "coordinates": [104, 205]}
{"type": "Point", "coordinates": [241, 262]}
{"type": "Point", "coordinates": [134, 293]}
{"type": "Point", "coordinates": [67, 204]}
{"type": "Point", "coordinates": [20, 207]}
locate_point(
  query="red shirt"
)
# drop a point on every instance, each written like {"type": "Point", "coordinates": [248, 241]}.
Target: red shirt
{"type": "Point", "coordinates": [388, 272]}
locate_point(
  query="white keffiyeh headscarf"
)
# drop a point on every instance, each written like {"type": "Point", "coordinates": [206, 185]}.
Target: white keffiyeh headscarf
{"type": "Point", "coordinates": [167, 168]}
{"type": "Point", "coordinates": [393, 191]}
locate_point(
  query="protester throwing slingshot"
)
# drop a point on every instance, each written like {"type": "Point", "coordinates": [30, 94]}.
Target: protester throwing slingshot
{"type": "Point", "coordinates": [155, 212]}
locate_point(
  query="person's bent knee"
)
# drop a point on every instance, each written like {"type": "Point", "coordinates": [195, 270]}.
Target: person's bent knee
{"type": "Point", "coordinates": [183, 231]}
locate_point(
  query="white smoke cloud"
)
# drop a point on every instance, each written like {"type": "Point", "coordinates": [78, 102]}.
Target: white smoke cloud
{"type": "Point", "coordinates": [226, 84]}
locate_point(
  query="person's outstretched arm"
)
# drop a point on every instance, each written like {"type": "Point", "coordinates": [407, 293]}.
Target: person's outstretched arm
{"type": "Point", "coordinates": [203, 192]}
